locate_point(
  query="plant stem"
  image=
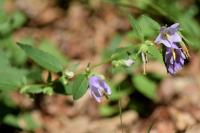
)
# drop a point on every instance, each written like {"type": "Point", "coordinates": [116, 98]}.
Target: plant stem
{"type": "Point", "coordinates": [120, 113]}
{"type": "Point", "coordinates": [101, 63]}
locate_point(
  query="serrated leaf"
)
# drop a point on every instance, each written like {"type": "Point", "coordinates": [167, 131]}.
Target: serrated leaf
{"type": "Point", "coordinates": [80, 86]}
{"type": "Point", "coordinates": [42, 58]}
{"type": "Point", "coordinates": [145, 86]}
{"type": "Point", "coordinates": [136, 27]}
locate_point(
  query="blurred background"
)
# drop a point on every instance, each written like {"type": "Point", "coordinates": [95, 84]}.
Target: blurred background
{"type": "Point", "coordinates": [82, 31]}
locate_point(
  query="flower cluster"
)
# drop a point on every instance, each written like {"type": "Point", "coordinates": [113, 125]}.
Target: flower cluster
{"type": "Point", "coordinates": [174, 54]}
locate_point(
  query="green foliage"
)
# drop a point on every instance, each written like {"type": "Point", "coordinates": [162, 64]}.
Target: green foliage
{"type": "Point", "coordinates": [155, 25]}
{"type": "Point", "coordinates": [112, 46]}
{"type": "Point", "coordinates": [50, 47]}
{"type": "Point", "coordinates": [80, 86]}
{"type": "Point", "coordinates": [11, 78]}
{"type": "Point", "coordinates": [106, 110]}
{"type": "Point", "coordinates": [69, 88]}
{"type": "Point", "coordinates": [155, 53]}
{"type": "Point", "coordinates": [136, 27]}
{"type": "Point", "coordinates": [5, 98]}
{"type": "Point", "coordinates": [37, 89]}
{"type": "Point", "coordinates": [149, 27]}
{"type": "Point", "coordinates": [9, 23]}
{"type": "Point", "coordinates": [42, 58]}
{"type": "Point", "coordinates": [17, 20]}
{"type": "Point", "coordinates": [18, 73]}
{"type": "Point", "coordinates": [145, 86]}
{"type": "Point", "coordinates": [24, 121]}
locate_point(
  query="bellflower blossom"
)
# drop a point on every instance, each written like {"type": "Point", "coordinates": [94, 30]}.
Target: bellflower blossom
{"type": "Point", "coordinates": [98, 88]}
{"type": "Point", "coordinates": [174, 53]}
{"type": "Point", "coordinates": [174, 60]}
{"type": "Point", "coordinates": [169, 36]}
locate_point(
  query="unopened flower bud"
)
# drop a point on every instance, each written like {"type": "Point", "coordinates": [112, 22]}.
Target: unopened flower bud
{"type": "Point", "coordinates": [69, 74]}
{"type": "Point", "coordinates": [128, 62]}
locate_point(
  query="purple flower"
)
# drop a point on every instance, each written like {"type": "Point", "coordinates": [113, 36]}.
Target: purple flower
{"type": "Point", "coordinates": [174, 60]}
{"type": "Point", "coordinates": [169, 36]}
{"type": "Point", "coordinates": [98, 88]}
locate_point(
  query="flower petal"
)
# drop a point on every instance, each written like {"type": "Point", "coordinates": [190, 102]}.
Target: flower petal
{"type": "Point", "coordinates": [175, 38]}
{"type": "Point", "coordinates": [106, 88]}
{"type": "Point", "coordinates": [96, 91]}
{"type": "Point", "coordinates": [97, 86]}
{"type": "Point", "coordinates": [158, 39]}
{"type": "Point", "coordinates": [166, 43]}
{"type": "Point", "coordinates": [98, 99]}
{"type": "Point", "coordinates": [173, 29]}
{"type": "Point", "coordinates": [94, 81]}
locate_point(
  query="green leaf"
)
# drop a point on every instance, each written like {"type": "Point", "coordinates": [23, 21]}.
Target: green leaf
{"type": "Point", "coordinates": [23, 121]}
{"type": "Point", "coordinates": [32, 89]}
{"type": "Point", "coordinates": [42, 58]}
{"type": "Point", "coordinates": [2, 4]}
{"type": "Point", "coordinates": [106, 110]}
{"type": "Point", "coordinates": [113, 45]}
{"type": "Point", "coordinates": [80, 86]}
{"type": "Point", "coordinates": [37, 89]}
{"type": "Point", "coordinates": [4, 61]}
{"type": "Point", "coordinates": [69, 88]}
{"type": "Point", "coordinates": [145, 86]}
{"type": "Point", "coordinates": [5, 28]}
{"type": "Point", "coordinates": [155, 25]}
{"type": "Point", "coordinates": [48, 90]}
{"type": "Point", "coordinates": [136, 27]}
{"type": "Point", "coordinates": [18, 19]}
{"type": "Point", "coordinates": [11, 78]}
{"type": "Point", "coordinates": [6, 98]}
{"type": "Point", "coordinates": [11, 120]}
{"type": "Point", "coordinates": [155, 53]}
{"type": "Point", "coordinates": [51, 48]}
{"type": "Point", "coordinates": [16, 54]}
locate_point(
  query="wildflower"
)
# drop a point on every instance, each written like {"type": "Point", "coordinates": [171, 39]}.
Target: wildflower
{"type": "Point", "coordinates": [169, 36]}
{"type": "Point", "coordinates": [174, 60]}
{"type": "Point", "coordinates": [98, 88]}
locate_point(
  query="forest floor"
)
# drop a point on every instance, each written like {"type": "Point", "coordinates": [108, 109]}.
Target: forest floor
{"type": "Point", "coordinates": [82, 33]}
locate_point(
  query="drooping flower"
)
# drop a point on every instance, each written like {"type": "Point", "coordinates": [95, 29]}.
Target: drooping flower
{"type": "Point", "coordinates": [174, 60]}
{"type": "Point", "coordinates": [174, 50]}
{"type": "Point", "coordinates": [98, 88]}
{"type": "Point", "coordinates": [169, 36]}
